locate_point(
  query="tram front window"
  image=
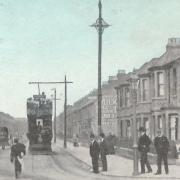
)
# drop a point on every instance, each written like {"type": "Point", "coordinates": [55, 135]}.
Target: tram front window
{"type": "Point", "coordinates": [39, 127]}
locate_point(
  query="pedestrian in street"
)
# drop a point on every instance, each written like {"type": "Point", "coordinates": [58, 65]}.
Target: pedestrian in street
{"type": "Point", "coordinates": [18, 150]}
{"type": "Point", "coordinates": [103, 151]}
{"type": "Point", "coordinates": [10, 139]}
{"type": "Point", "coordinates": [143, 147]}
{"type": "Point", "coordinates": [161, 144]}
{"type": "Point", "coordinates": [110, 140]}
{"type": "Point", "coordinates": [94, 153]}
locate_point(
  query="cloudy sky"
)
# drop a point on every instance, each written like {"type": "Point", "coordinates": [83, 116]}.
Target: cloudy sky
{"type": "Point", "coordinates": [42, 40]}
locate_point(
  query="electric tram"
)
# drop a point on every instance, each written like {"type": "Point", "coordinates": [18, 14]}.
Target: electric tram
{"type": "Point", "coordinates": [39, 115]}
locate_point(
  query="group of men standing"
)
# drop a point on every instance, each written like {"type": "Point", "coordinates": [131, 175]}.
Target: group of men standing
{"type": "Point", "coordinates": [97, 149]}
{"type": "Point", "coordinates": [161, 144]}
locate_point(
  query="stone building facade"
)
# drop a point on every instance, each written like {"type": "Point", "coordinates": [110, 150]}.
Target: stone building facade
{"type": "Point", "coordinates": [158, 96]}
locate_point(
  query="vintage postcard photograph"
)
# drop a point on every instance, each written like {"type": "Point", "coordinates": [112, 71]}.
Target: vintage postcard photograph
{"type": "Point", "coordinates": [89, 89]}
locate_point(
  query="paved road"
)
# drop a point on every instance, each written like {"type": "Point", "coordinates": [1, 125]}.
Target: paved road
{"type": "Point", "coordinates": [59, 166]}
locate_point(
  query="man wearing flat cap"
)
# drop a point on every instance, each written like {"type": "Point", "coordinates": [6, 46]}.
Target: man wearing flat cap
{"type": "Point", "coordinates": [143, 147]}
{"type": "Point", "coordinates": [161, 144]}
{"type": "Point", "coordinates": [94, 153]}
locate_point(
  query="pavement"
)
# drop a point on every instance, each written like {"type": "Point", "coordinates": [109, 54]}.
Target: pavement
{"type": "Point", "coordinates": [119, 166]}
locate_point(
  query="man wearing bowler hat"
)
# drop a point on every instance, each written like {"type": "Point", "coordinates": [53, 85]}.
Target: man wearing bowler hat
{"type": "Point", "coordinates": [143, 147]}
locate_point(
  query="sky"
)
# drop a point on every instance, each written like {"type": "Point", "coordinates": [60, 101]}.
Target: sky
{"type": "Point", "coordinates": [42, 40]}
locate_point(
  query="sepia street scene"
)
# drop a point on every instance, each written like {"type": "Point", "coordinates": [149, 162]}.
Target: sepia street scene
{"type": "Point", "coordinates": [89, 89]}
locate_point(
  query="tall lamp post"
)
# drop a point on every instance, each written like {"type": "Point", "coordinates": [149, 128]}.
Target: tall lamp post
{"type": "Point", "coordinates": [133, 83]}
{"type": "Point", "coordinates": [100, 25]}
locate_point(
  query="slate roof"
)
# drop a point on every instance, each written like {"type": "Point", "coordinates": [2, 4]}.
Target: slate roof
{"type": "Point", "coordinates": [144, 69]}
{"type": "Point", "coordinates": [168, 57]}
{"type": "Point", "coordinates": [123, 80]}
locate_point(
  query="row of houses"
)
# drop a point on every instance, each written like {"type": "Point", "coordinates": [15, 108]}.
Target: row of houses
{"type": "Point", "coordinates": [82, 116]}
{"type": "Point", "coordinates": [157, 101]}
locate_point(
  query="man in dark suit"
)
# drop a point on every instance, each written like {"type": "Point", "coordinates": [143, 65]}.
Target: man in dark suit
{"type": "Point", "coordinates": [103, 151]}
{"type": "Point", "coordinates": [161, 144]}
{"type": "Point", "coordinates": [143, 147]}
{"type": "Point", "coordinates": [94, 153]}
{"type": "Point", "coordinates": [18, 150]}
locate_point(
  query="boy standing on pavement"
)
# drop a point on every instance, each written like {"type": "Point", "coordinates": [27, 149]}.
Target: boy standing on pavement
{"type": "Point", "coordinates": [103, 151]}
{"type": "Point", "coordinates": [94, 153]}
{"type": "Point", "coordinates": [143, 147]}
{"type": "Point", "coordinates": [161, 144]}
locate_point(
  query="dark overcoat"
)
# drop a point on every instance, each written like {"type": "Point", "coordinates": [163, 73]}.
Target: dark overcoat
{"type": "Point", "coordinates": [94, 149]}
{"type": "Point", "coordinates": [103, 148]}
{"type": "Point", "coordinates": [103, 152]}
{"type": "Point", "coordinates": [161, 144]}
{"type": "Point", "coordinates": [94, 153]}
{"type": "Point", "coordinates": [15, 153]}
{"type": "Point", "coordinates": [144, 143]}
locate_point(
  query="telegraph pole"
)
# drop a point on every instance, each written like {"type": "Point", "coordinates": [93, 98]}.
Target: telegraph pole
{"type": "Point", "coordinates": [55, 116]}
{"type": "Point", "coordinates": [100, 25]}
{"type": "Point", "coordinates": [65, 110]}
{"type": "Point", "coordinates": [55, 99]}
{"type": "Point", "coordinates": [65, 101]}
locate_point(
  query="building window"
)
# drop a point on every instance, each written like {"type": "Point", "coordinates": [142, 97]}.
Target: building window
{"type": "Point", "coordinates": [138, 91]}
{"type": "Point", "coordinates": [138, 121]}
{"type": "Point", "coordinates": [153, 85]}
{"type": "Point", "coordinates": [126, 96]}
{"type": "Point", "coordinates": [121, 126]}
{"type": "Point", "coordinates": [128, 128]}
{"type": "Point", "coordinates": [160, 122]}
{"type": "Point", "coordinates": [173, 127]}
{"type": "Point", "coordinates": [146, 125]}
{"type": "Point", "coordinates": [154, 128]}
{"type": "Point", "coordinates": [121, 97]}
{"type": "Point", "coordinates": [144, 89]}
{"type": "Point", "coordinates": [174, 82]}
{"type": "Point", "coordinates": [160, 78]}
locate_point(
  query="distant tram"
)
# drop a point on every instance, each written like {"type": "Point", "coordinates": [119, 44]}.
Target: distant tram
{"type": "Point", "coordinates": [39, 115]}
{"type": "Point", "coordinates": [4, 140]}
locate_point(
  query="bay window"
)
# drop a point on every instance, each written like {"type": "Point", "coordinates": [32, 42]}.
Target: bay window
{"type": "Point", "coordinates": [160, 81]}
